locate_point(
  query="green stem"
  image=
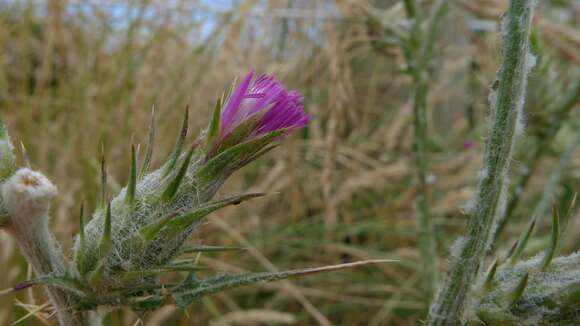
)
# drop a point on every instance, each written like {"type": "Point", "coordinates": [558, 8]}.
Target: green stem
{"type": "Point", "coordinates": [43, 253]}
{"type": "Point", "coordinates": [561, 113]}
{"type": "Point", "coordinates": [426, 229]}
{"type": "Point", "coordinates": [418, 51]}
{"type": "Point", "coordinates": [506, 110]}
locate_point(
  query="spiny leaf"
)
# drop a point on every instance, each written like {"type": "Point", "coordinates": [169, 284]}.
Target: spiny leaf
{"type": "Point", "coordinates": [512, 249]}
{"type": "Point", "coordinates": [103, 177]}
{"type": "Point", "coordinates": [106, 240]}
{"type": "Point", "coordinates": [82, 224]}
{"type": "Point", "coordinates": [202, 248]}
{"type": "Point", "coordinates": [518, 291]}
{"type": "Point", "coordinates": [65, 282]}
{"type": "Point", "coordinates": [215, 124]}
{"type": "Point", "coordinates": [496, 317]}
{"type": "Point", "coordinates": [132, 185]}
{"type": "Point", "coordinates": [181, 262]}
{"type": "Point", "coordinates": [234, 157]}
{"type": "Point", "coordinates": [261, 152]}
{"type": "Point", "coordinates": [147, 303]}
{"type": "Point", "coordinates": [488, 284]}
{"type": "Point", "coordinates": [97, 276]}
{"type": "Point", "coordinates": [140, 274]}
{"type": "Point", "coordinates": [173, 186]}
{"type": "Point", "coordinates": [7, 159]}
{"type": "Point", "coordinates": [81, 263]}
{"type": "Point", "coordinates": [228, 93]}
{"type": "Point", "coordinates": [179, 144]}
{"type": "Point", "coordinates": [554, 239]}
{"type": "Point", "coordinates": [25, 156]}
{"type": "Point", "coordinates": [130, 276]}
{"type": "Point", "coordinates": [184, 266]}
{"type": "Point", "coordinates": [241, 132]}
{"type": "Point", "coordinates": [522, 242]}
{"type": "Point", "coordinates": [178, 225]}
{"type": "Point", "coordinates": [149, 232]}
{"type": "Point", "coordinates": [192, 288]}
{"type": "Point", "coordinates": [567, 204]}
{"type": "Point", "coordinates": [150, 144]}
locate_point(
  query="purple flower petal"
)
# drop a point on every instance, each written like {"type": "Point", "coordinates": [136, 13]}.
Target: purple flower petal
{"type": "Point", "coordinates": [265, 96]}
{"type": "Point", "coordinates": [234, 102]}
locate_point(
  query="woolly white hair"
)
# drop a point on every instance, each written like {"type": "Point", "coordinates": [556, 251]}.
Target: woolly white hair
{"type": "Point", "coordinates": [27, 196]}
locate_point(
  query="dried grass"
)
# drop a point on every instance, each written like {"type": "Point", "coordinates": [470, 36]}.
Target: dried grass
{"type": "Point", "coordinates": [344, 188]}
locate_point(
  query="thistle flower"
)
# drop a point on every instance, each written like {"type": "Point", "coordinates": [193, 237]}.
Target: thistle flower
{"type": "Point", "coordinates": [138, 234]}
{"type": "Point", "coordinates": [257, 108]}
{"type": "Point", "coordinates": [135, 237]}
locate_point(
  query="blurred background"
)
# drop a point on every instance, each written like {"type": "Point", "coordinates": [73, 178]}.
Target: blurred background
{"type": "Point", "coordinates": [75, 74]}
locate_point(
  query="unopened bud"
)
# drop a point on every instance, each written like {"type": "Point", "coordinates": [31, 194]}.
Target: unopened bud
{"type": "Point", "coordinates": [26, 197]}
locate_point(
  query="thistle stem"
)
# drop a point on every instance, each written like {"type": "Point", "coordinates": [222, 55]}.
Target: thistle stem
{"type": "Point", "coordinates": [561, 113]}
{"type": "Point", "coordinates": [426, 229]}
{"type": "Point", "coordinates": [418, 50]}
{"type": "Point", "coordinates": [26, 196]}
{"type": "Point", "coordinates": [43, 253]}
{"type": "Point", "coordinates": [507, 105]}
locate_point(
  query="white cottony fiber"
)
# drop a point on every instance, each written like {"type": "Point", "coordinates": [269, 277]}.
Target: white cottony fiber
{"type": "Point", "coordinates": [27, 191]}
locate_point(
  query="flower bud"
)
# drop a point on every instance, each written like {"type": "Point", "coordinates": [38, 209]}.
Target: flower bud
{"type": "Point", "coordinates": [26, 196]}
{"type": "Point", "coordinates": [257, 107]}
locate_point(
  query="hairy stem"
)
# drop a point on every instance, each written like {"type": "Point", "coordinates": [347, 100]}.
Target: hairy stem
{"type": "Point", "coordinates": [26, 198]}
{"type": "Point", "coordinates": [561, 113]}
{"type": "Point", "coordinates": [44, 255]}
{"type": "Point", "coordinates": [507, 104]}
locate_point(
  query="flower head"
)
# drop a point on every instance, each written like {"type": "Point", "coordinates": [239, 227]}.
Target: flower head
{"type": "Point", "coordinates": [261, 106]}
{"type": "Point", "coordinates": [27, 196]}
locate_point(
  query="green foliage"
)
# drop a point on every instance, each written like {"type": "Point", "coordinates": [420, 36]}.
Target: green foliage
{"type": "Point", "coordinates": [236, 156]}
{"type": "Point", "coordinates": [192, 289]}
{"type": "Point", "coordinates": [132, 185]}
{"type": "Point", "coordinates": [522, 242]}
{"type": "Point", "coordinates": [173, 158]}
{"type": "Point", "coordinates": [150, 145]}
{"type": "Point", "coordinates": [524, 294]}
{"type": "Point", "coordinates": [70, 79]}
{"type": "Point", "coordinates": [215, 125]}
{"type": "Point", "coordinates": [7, 159]}
{"type": "Point", "coordinates": [201, 248]}
{"type": "Point", "coordinates": [171, 190]}
{"type": "Point", "coordinates": [536, 291]}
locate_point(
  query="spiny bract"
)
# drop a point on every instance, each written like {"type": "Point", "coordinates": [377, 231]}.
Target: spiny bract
{"type": "Point", "coordinates": [135, 237]}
